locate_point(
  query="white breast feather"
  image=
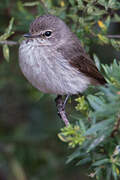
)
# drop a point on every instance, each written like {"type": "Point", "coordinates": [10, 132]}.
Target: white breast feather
{"type": "Point", "coordinates": [49, 71]}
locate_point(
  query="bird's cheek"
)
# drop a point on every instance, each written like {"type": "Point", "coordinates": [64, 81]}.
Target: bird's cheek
{"type": "Point", "coordinates": [45, 42]}
{"type": "Point", "coordinates": [38, 41]}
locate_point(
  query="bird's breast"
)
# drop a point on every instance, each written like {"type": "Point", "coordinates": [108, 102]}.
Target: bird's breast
{"type": "Point", "coordinates": [49, 71]}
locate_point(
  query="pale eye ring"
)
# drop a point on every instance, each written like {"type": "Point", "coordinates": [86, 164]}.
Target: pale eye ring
{"type": "Point", "coordinates": [48, 33]}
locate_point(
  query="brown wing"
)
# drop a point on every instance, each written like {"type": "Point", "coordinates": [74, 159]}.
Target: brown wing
{"type": "Point", "coordinates": [77, 58]}
{"type": "Point", "coordinates": [85, 65]}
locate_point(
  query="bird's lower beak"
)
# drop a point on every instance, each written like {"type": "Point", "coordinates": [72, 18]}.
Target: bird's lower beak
{"type": "Point", "coordinates": [28, 35]}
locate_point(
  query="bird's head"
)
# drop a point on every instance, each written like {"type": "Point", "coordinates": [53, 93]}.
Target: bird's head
{"type": "Point", "coordinates": [48, 30]}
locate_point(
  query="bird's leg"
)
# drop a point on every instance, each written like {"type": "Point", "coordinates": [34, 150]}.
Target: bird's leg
{"type": "Point", "coordinates": [61, 109]}
{"type": "Point", "coordinates": [65, 101]}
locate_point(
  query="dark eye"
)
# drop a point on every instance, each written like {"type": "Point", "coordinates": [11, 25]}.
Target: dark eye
{"type": "Point", "coordinates": [48, 33]}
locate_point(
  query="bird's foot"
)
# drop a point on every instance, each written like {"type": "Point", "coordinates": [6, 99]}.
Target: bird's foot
{"type": "Point", "coordinates": [61, 108]}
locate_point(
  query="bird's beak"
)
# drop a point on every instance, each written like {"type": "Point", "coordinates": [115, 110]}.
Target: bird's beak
{"type": "Point", "coordinates": [28, 35]}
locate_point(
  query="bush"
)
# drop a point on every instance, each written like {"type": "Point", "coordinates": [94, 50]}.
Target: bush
{"type": "Point", "coordinates": [94, 134]}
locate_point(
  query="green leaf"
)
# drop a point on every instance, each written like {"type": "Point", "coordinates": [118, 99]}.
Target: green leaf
{"type": "Point", "coordinates": [72, 2]}
{"type": "Point", "coordinates": [80, 4]}
{"type": "Point", "coordinates": [107, 21]}
{"type": "Point", "coordinates": [101, 162]}
{"type": "Point", "coordinates": [76, 154]}
{"type": "Point", "coordinates": [103, 3]}
{"type": "Point", "coordinates": [96, 142]}
{"type": "Point", "coordinates": [111, 3]}
{"type": "Point", "coordinates": [116, 18]}
{"type": "Point", "coordinates": [95, 102]}
{"type": "Point", "coordinates": [29, 4]}
{"type": "Point", "coordinates": [98, 126]}
{"type": "Point", "coordinates": [97, 62]}
{"type": "Point", "coordinates": [90, 10]}
{"type": "Point", "coordinates": [114, 172]}
{"type": "Point", "coordinates": [6, 52]}
{"type": "Point", "coordinates": [84, 161]}
{"type": "Point", "coordinates": [21, 7]}
{"type": "Point", "coordinates": [82, 125]}
{"type": "Point", "coordinates": [8, 31]}
{"type": "Point", "coordinates": [109, 172]}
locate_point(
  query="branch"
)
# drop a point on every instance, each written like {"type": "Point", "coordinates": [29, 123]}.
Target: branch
{"type": "Point", "coordinates": [10, 43]}
{"type": "Point", "coordinates": [114, 36]}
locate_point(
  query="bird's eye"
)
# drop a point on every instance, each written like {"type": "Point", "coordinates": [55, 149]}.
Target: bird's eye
{"type": "Point", "coordinates": [48, 33]}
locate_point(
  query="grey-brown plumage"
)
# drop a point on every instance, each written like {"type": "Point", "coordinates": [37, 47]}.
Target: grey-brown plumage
{"type": "Point", "coordinates": [53, 60]}
{"type": "Point", "coordinates": [78, 58]}
{"type": "Point", "coordinates": [73, 52]}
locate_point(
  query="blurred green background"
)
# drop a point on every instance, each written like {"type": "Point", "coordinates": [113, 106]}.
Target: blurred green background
{"type": "Point", "coordinates": [29, 146]}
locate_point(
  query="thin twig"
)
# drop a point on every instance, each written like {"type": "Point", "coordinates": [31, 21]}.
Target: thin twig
{"type": "Point", "coordinates": [108, 36]}
{"type": "Point", "coordinates": [10, 43]}
{"type": "Point", "coordinates": [114, 36]}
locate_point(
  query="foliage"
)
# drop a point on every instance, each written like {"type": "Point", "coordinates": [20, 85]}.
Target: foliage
{"type": "Point", "coordinates": [73, 135]}
{"type": "Point", "coordinates": [101, 128]}
{"type": "Point", "coordinates": [94, 135]}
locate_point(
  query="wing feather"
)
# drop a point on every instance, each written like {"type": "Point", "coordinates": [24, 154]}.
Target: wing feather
{"type": "Point", "coordinates": [78, 58]}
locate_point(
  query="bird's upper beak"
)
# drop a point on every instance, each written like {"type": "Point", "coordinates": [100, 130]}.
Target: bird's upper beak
{"type": "Point", "coordinates": [27, 35]}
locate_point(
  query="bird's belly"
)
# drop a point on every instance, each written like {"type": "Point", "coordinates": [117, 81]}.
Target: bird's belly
{"type": "Point", "coordinates": [52, 75]}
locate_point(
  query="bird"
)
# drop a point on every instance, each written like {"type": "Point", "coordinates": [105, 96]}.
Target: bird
{"type": "Point", "coordinates": [53, 60]}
